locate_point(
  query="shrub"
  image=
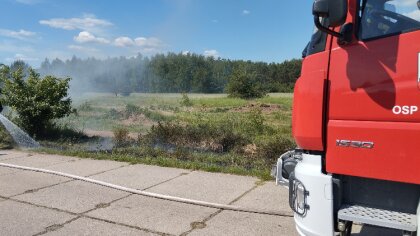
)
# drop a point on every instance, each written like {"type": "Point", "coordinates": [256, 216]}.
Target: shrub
{"type": "Point", "coordinates": [121, 136]}
{"type": "Point", "coordinates": [64, 133]}
{"type": "Point", "coordinates": [36, 100]}
{"type": "Point", "coordinates": [131, 109]}
{"type": "Point", "coordinates": [256, 121]}
{"type": "Point", "coordinates": [186, 101]}
{"type": "Point", "coordinates": [5, 139]}
{"type": "Point", "coordinates": [271, 147]}
{"type": "Point", "coordinates": [245, 85]}
{"type": "Point", "coordinates": [218, 133]}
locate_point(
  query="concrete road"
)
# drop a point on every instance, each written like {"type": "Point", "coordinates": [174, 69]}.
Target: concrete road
{"type": "Point", "coordinates": [40, 204]}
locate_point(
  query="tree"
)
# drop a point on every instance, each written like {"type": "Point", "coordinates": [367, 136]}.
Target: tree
{"type": "Point", "coordinates": [168, 73]}
{"type": "Point", "coordinates": [36, 100]}
{"type": "Point", "coordinates": [243, 84]}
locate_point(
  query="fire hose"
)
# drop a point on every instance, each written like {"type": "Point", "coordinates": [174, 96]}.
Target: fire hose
{"type": "Point", "coordinates": [150, 194]}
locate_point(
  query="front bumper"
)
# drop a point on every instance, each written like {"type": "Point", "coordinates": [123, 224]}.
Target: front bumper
{"type": "Point", "coordinates": [310, 195]}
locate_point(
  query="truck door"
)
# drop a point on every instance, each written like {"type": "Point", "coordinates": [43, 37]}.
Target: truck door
{"type": "Point", "coordinates": [373, 127]}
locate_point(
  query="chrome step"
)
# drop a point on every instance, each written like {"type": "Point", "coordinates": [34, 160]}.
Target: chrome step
{"type": "Point", "coordinates": [378, 217]}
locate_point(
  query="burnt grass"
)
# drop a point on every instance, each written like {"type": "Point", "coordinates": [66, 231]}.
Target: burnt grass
{"type": "Point", "coordinates": [225, 135]}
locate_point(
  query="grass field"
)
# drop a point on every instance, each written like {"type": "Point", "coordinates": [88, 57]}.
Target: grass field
{"type": "Point", "coordinates": [210, 132]}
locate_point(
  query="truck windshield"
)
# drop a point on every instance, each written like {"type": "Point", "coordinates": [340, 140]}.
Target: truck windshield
{"type": "Point", "coordinates": [382, 18]}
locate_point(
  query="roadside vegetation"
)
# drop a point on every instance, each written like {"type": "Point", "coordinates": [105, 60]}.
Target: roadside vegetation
{"type": "Point", "coordinates": [242, 132]}
{"type": "Point", "coordinates": [6, 141]}
{"type": "Point", "coordinates": [37, 101]}
{"type": "Point", "coordinates": [209, 132]}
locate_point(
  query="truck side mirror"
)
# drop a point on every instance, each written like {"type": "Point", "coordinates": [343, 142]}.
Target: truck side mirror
{"type": "Point", "coordinates": [333, 11]}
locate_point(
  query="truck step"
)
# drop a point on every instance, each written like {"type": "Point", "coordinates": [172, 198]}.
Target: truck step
{"type": "Point", "coordinates": [378, 217]}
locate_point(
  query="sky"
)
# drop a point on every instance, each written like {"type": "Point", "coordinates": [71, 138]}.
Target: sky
{"type": "Point", "coordinates": [264, 30]}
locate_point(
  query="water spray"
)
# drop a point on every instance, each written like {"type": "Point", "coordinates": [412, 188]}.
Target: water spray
{"type": "Point", "coordinates": [21, 138]}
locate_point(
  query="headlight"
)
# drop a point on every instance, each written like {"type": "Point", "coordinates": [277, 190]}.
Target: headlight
{"type": "Point", "coordinates": [298, 196]}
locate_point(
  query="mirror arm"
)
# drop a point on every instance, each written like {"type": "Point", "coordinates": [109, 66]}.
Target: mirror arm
{"type": "Point", "coordinates": [325, 29]}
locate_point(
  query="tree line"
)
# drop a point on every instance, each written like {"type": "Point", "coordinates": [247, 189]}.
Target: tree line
{"type": "Point", "coordinates": [169, 73]}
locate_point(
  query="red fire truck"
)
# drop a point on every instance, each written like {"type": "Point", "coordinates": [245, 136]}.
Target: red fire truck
{"type": "Point", "coordinates": [356, 120]}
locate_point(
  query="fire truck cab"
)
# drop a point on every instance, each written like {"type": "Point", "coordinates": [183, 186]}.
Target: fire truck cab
{"type": "Point", "coordinates": [356, 120]}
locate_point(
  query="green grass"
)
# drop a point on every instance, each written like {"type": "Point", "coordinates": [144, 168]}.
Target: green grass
{"type": "Point", "coordinates": [204, 162]}
{"type": "Point", "coordinates": [284, 101]}
{"type": "Point", "coordinates": [219, 102]}
{"type": "Point", "coordinates": [214, 133]}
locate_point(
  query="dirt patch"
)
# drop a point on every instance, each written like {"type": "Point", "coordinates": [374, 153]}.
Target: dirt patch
{"type": "Point", "coordinates": [198, 225]}
{"type": "Point", "coordinates": [265, 108]}
{"type": "Point", "coordinates": [106, 133]}
{"type": "Point", "coordinates": [250, 149]}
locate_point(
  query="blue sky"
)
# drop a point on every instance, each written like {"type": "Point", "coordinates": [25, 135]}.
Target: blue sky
{"type": "Point", "coordinates": [265, 30]}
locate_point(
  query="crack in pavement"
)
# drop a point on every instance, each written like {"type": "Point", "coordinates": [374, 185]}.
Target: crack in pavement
{"type": "Point", "coordinates": [61, 182]}
{"type": "Point", "coordinates": [202, 224]}
{"type": "Point", "coordinates": [194, 225]}
{"type": "Point", "coordinates": [55, 227]}
{"type": "Point", "coordinates": [79, 215]}
{"type": "Point", "coordinates": [182, 174]}
{"type": "Point", "coordinates": [98, 206]}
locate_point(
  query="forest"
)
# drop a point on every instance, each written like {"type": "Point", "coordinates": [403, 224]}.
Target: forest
{"type": "Point", "coordinates": [168, 73]}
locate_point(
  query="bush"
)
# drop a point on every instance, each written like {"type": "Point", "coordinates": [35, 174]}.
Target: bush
{"type": "Point", "coordinates": [270, 147]}
{"type": "Point", "coordinates": [186, 101]}
{"type": "Point", "coordinates": [245, 85]}
{"type": "Point", "coordinates": [36, 100]}
{"type": "Point", "coordinates": [131, 110]}
{"type": "Point", "coordinates": [121, 136]}
{"type": "Point", "coordinates": [5, 139]}
{"type": "Point", "coordinates": [218, 135]}
{"type": "Point", "coordinates": [256, 121]}
{"type": "Point", "coordinates": [64, 133]}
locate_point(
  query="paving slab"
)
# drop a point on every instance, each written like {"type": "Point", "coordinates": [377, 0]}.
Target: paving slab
{"type": "Point", "coordinates": [6, 155]}
{"type": "Point", "coordinates": [6, 170]}
{"type": "Point", "coordinates": [268, 196]}
{"type": "Point", "coordinates": [90, 227]}
{"type": "Point", "coordinates": [154, 214]}
{"type": "Point", "coordinates": [74, 196]}
{"type": "Point", "coordinates": [9, 154]}
{"type": "Point", "coordinates": [86, 167]}
{"type": "Point", "coordinates": [22, 181]}
{"type": "Point", "coordinates": [212, 187]}
{"type": "Point", "coordinates": [40, 160]}
{"type": "Point", "coordinates": [139, 176]}
{"type": "Point", "coordinates": [240, 223]}
{"type": "Point", "coordinates": [24, 219]}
